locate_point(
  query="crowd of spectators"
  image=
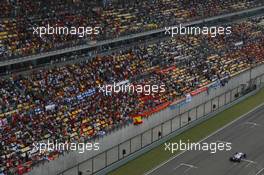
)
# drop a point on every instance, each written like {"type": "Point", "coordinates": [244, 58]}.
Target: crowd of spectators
{"type": "Point", "coordinates": [64, 103]}
{"type": "Point", "coordinates": [19, 17]}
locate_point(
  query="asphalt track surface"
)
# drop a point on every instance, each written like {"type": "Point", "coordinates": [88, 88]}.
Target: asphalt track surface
{"type": "Point", "coordinates": [245, 134]}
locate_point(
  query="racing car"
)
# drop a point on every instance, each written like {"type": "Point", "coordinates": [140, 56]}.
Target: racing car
{"type": "Point", "coordinates": [238, 156]}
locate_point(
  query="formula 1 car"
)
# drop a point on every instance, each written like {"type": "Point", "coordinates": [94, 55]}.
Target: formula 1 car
{"type": "Point", "coordinates": [237, 157]}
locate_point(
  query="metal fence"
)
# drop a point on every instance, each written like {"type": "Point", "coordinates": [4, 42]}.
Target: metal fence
{"type": "Point", "coordinates": [145, 141]}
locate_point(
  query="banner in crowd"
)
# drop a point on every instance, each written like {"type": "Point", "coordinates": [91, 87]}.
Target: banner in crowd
{"type": "Point", "coordinates": [163, 71]}
{"type": "Point", "coordinates": [239, 43]}
{"type": "Point", "coordinates": [155, 110]}
{"type": "Point", "coordinates": [121, 83]}
{"type": "Point", "coordinates": [218, 83]}
{"type": "Point", "coordinates": [50, 107]}
{"type": "Point", "coordinates": [81, 96]}
{"type": "Point", "coordinates": [137, 120]}
{"type": "Point", "coordinates": [181, 103]}
{"type": "Point", "coordinates": [188, 98]}
{"type": "Point", "coordinates": [146, 98]}
{"type": "Point", "coordinates": [215, 85]}
{"type": "Point", "coordinates": [88, 93]}
{"type": "Point", "coordinates": [198, 91]}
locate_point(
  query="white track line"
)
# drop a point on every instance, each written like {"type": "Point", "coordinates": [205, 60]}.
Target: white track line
{"type": "Point", "coordinates": [253, 124]}
{"type": "Point", "coordinates": [249, 161]}
{"type": "Point", "coordinates": [177, 167]}
{"type": "Point", "coordinates": [185, 164]}
{"type": "Point", "coordinates": [220, 129]}
{"type": "Point", "coordinates": [188, 165]}
{"type": "Point", "coordinates": [260, 171]}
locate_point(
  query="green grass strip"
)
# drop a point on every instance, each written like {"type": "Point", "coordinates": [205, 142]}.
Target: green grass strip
{"type": "Point", "coordinates": [157, 155]}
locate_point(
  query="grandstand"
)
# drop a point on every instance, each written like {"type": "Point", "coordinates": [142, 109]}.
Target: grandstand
{"type": "Point", "coordinates": [19, 19]}
{"type": "Point", "coordinates": [63, 102]}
